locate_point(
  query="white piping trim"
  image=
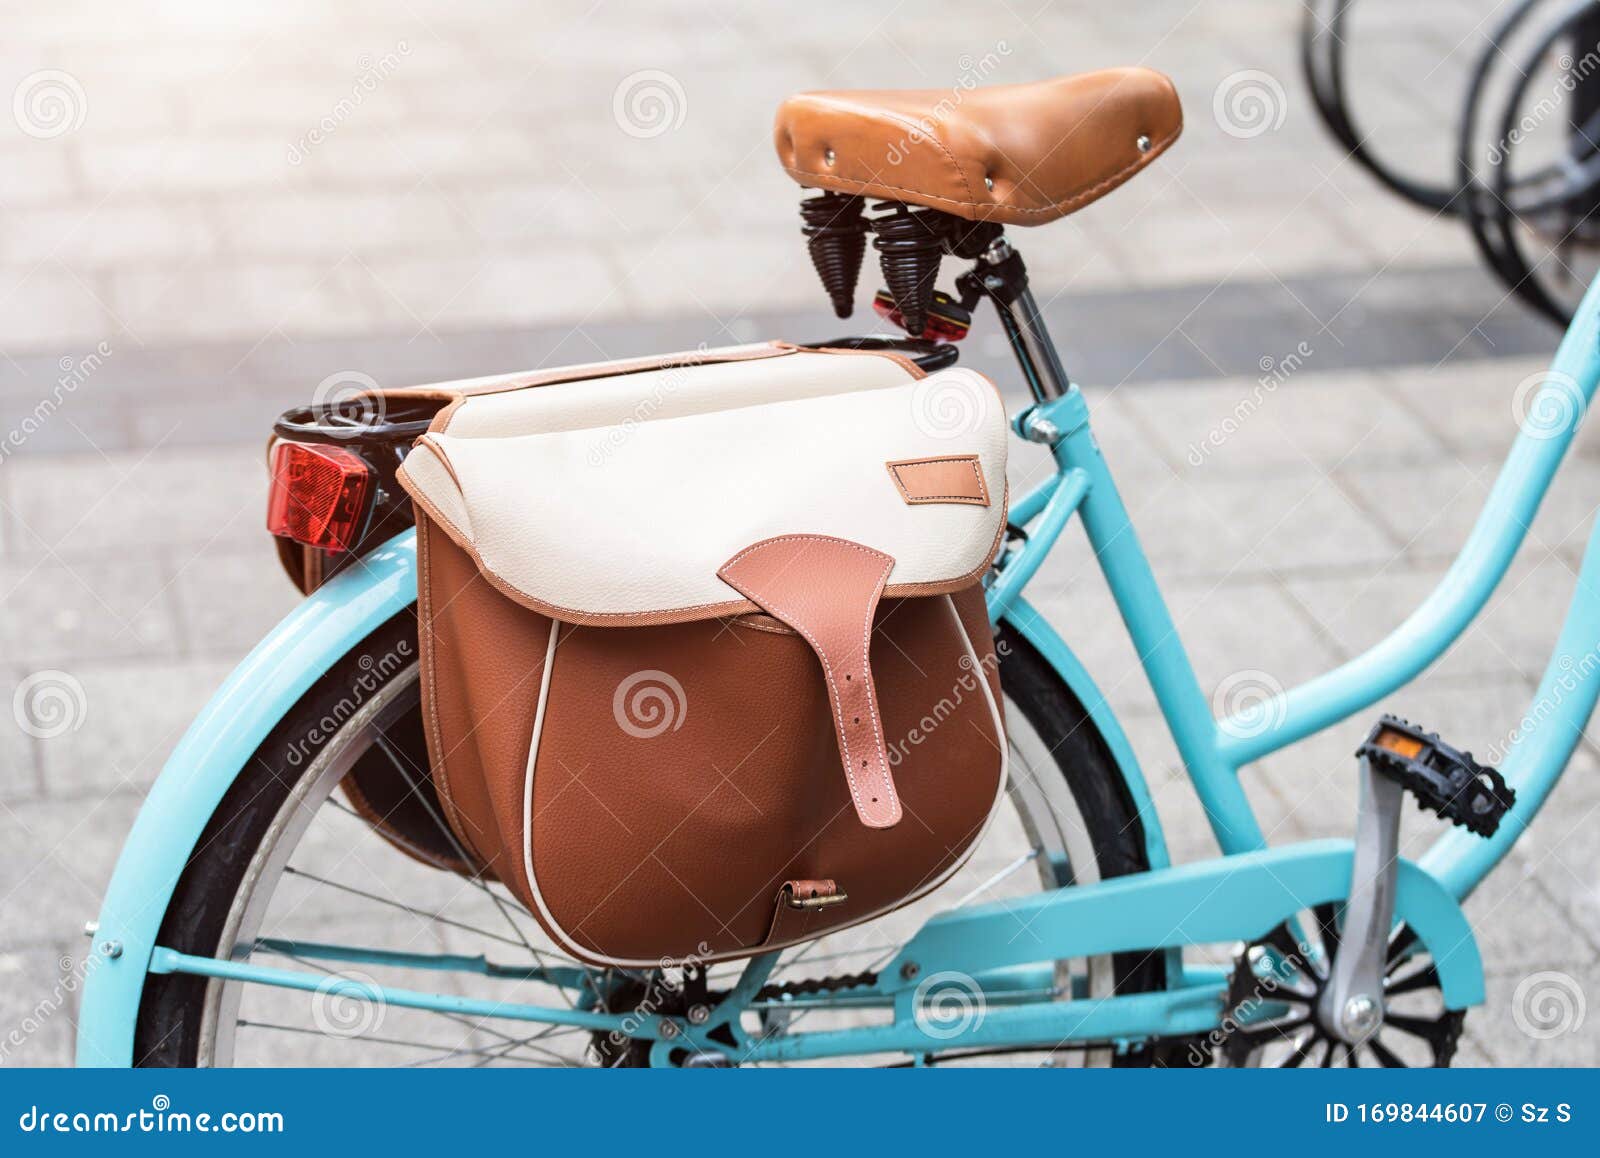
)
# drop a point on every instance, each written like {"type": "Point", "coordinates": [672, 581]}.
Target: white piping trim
{"type": "Point", "coordinates": [527, 785]}
{"type": "Point", "coordinates": [585, 954]}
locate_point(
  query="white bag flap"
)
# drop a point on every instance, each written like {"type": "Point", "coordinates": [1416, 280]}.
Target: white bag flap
{"type": "Point", "coordinates": [630, 523]}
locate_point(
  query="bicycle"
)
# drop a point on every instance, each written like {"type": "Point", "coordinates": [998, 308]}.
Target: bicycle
{"type": "Point", "coordinates": [1071, 935]}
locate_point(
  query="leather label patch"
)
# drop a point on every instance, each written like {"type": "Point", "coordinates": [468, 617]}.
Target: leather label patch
{"type": "Point", "coordinates": [951, 478]}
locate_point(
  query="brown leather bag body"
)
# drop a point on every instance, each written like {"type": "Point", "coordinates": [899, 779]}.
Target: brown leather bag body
{"type": "Point", "coordinates": [706, 665]}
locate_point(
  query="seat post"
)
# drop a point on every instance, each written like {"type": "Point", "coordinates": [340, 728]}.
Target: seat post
{"type": "Point", "coordinates": [1004, 279]}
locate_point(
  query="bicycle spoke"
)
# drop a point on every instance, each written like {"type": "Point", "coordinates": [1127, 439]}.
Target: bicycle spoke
{"type": "Point", "coordinates": [291, 870]}
{"type": "Point", "coordinates": [308, 1031]}
{"type": "Point", "coordinates": [502, 1052]}
{"type": "Point", "coordinates": [433, 1058]}
{"type": "Point", "coordinates": [411, 774]}
{"type": "Point", "coordinates": [412, 777]}
{"type": "Point", "coordinates": [1022, 861]}
{"type": "Point", "coordinates": [459, 1019]}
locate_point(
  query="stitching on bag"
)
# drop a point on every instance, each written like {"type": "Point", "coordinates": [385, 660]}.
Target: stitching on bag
{"type": "Point", "coordinates": [669, 615]}
{"type": "Point", "coordinates": [620, 368]}
{"type": "Point", "coordinates": [743, 623]}
{"type": "Point", "coordinates": [890, 795]}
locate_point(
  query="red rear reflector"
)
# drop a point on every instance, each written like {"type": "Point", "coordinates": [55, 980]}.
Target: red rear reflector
{"type": "Point", "coordinates": [319, 495]}
{"type": "Point", "coordinates": [947, 321]}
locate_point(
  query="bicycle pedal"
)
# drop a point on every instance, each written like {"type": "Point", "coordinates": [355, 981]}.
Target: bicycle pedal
{"type": "Point", "coordinates": [1445, 780]}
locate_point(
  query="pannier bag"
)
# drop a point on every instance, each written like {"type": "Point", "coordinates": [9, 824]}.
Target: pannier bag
{"type": "Point", "coordinates": [706, 666]}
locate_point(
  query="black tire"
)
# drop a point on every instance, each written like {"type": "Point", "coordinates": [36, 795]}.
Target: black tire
{"type": "Point", "coordinates": [170, 1015]}
{"type": "Point", "coordinates": [168, 1030]}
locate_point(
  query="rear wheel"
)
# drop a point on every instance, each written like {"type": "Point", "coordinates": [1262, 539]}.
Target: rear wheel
{"type": "Point", "coordinates": [286, 867]}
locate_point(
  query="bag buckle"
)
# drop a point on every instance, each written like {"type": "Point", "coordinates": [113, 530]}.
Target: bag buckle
{"type": "Point", "coordinates": [813, 895]}
{"type": "Point", "coordinates": [817, 902]}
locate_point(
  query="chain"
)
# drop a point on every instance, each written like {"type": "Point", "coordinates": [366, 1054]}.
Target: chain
{"type": "Point", "coordinates": [816, 985]}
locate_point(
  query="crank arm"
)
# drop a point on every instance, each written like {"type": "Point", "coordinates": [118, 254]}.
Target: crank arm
{"type": "Point", "coordinates": [1352, 1004]}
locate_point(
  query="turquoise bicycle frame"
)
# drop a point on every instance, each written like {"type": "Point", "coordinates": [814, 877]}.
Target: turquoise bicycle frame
{"type": "Point", "coordinates": [1006, 948]}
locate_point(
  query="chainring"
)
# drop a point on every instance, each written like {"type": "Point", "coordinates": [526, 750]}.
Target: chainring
{"type": "Point", "coordinates": [1278, 970]}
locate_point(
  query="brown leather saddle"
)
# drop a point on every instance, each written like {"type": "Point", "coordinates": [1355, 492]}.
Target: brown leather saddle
{"type": "Point", "coordinates": [1017, 154]}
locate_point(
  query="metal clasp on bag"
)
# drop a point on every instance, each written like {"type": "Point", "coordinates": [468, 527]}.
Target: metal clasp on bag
{"type": "Point", "coordinates": [813, 895]}
{"type": "Point", "coordinates": [817, 902]}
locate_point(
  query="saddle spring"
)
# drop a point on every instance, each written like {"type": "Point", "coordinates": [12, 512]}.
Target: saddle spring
{"type": "Point", "coordinates": [836, 236]}
{"type": "Point", "coordinates": [910, 243]}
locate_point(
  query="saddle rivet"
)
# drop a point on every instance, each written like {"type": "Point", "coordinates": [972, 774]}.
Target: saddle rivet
{"type": "Point", "coordinates": [1143, 143]}
{"type": "Point", "coordinates": [827, 156]}
{"type": "Point", "coordinates": [112, 949]}
{"type": "Point", "coordinates": [909, 971]}
{"type": "Point", "coordinates": [988, 182]}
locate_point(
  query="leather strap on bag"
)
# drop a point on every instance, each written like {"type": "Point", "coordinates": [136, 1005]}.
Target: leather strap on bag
{"type": "Point", "coordinates": [827, 589]}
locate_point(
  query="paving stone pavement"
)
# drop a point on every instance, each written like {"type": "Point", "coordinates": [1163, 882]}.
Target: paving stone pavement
{"type": "Point", "coordinates": [231, 223]}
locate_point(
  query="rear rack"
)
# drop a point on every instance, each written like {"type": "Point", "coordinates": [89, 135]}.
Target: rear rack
{"type": "Point", "coordinates": [388, 421]}
{"type": "Point", "coordinates": [927, 354]}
